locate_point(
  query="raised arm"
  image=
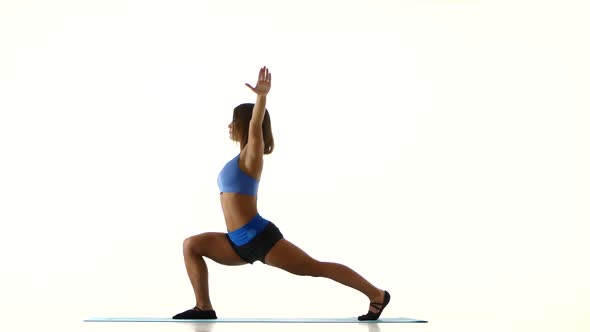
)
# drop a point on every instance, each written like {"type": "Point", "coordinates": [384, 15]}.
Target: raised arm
{"type": "Point", "coordinates": [255, 138]}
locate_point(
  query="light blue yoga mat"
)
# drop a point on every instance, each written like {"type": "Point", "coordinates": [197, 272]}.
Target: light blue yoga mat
{"type": "Point", "coordinates": [253, 320]}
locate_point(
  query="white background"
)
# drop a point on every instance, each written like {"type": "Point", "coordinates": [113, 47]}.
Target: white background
{"type": "Point", "coordinates": [439, 148]}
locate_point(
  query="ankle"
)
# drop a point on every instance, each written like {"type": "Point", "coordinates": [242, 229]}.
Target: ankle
{"type": "Point", "coordinates": [377, 295]}
{"type": "Point", "coordinates": [203, 307]}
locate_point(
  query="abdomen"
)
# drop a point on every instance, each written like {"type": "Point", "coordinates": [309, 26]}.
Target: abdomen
{"type": "Point", "coordinates": [238, 209]}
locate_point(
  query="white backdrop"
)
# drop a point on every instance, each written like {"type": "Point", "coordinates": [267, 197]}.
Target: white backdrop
{"type": "Point", "coordinates": [439, 148]}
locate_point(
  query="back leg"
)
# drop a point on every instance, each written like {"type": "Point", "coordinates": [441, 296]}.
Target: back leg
{"type": "Point", "coordinates": [287, 256]}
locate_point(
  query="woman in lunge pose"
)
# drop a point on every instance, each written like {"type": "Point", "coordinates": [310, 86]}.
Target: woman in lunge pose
{"type": "Point", "coordinates": [250, 237]}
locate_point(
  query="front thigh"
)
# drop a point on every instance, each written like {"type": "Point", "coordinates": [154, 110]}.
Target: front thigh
{"type": "Point", "coordinates": [215, 246]}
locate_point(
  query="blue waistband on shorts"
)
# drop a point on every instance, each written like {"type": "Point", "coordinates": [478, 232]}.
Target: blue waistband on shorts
{"type": "Point", "coordinates": [249, 231]}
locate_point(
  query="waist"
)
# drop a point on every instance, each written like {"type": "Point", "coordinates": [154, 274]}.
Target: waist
{"type": "Point", "coordinates": [248, 231]}
{"type": "Point", "coordinates": [238, 209]}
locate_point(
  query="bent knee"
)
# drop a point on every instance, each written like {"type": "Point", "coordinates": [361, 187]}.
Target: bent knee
{"type": "Point", "coordinates": [187, 244]}
{"type": "Point", "coordinates": [192, 245]}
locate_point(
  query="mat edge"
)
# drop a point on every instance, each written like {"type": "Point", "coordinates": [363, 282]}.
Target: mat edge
{"type": "Point", "coordinates": [249, 320]}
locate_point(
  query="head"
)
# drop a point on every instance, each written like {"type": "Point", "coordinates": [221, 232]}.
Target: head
{"type": "Point", "coordinates": [240, 125]}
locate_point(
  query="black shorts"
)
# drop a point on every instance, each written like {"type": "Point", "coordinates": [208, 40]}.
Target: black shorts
{"type": "Point", "coordinates": [257, 249]}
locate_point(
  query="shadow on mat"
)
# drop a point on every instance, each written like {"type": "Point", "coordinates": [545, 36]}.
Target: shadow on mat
{"type": "Point", "coordinates": [203, 327]}
{"type": "Point", "coordinates": [208, 327]}
{"type": "Point", "coordinates": [372, 327]}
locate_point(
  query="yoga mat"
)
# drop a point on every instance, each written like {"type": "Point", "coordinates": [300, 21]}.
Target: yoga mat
{"type": "Point", "coordinates": [252, 320]}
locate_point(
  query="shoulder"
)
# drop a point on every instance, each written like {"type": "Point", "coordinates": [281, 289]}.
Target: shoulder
{"type": "Point", "coordinates": [251, 163]}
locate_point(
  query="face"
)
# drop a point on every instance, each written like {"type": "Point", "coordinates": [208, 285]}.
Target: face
{"type": "Point", "coordinates": [231, 131]}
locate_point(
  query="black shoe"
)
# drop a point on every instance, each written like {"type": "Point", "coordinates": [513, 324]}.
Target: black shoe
{"type": "Point", "coordinates": [379, 306]}
{"type": "Point", "coordinates": [196, 313]}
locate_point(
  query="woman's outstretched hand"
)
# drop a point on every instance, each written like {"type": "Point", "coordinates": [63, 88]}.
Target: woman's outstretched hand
{"type": "Point", "coordinates": [263, 86]}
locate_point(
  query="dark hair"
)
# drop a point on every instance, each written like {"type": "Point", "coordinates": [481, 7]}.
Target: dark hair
{"type": "Point", "coordinates": [241, 121]}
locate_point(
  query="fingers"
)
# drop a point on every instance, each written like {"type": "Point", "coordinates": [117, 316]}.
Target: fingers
{"type": "Point", "coordinates": [263, 84]}
{"type": "Point", "coordinates": [264, 75]}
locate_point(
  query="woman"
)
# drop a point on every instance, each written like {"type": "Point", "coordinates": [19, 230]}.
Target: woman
{"type": "Point", "coordinates": [251, 237]}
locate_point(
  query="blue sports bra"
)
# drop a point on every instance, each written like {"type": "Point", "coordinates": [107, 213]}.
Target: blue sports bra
{"type": "Point", "coordinates": [232, 179]}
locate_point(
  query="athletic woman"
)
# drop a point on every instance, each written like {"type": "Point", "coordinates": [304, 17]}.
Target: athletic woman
{"type": "Point", "coordinates": [250, 237]}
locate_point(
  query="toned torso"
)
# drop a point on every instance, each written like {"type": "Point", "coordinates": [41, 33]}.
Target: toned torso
{"type": "Point", "coordinates": [238, 209]}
